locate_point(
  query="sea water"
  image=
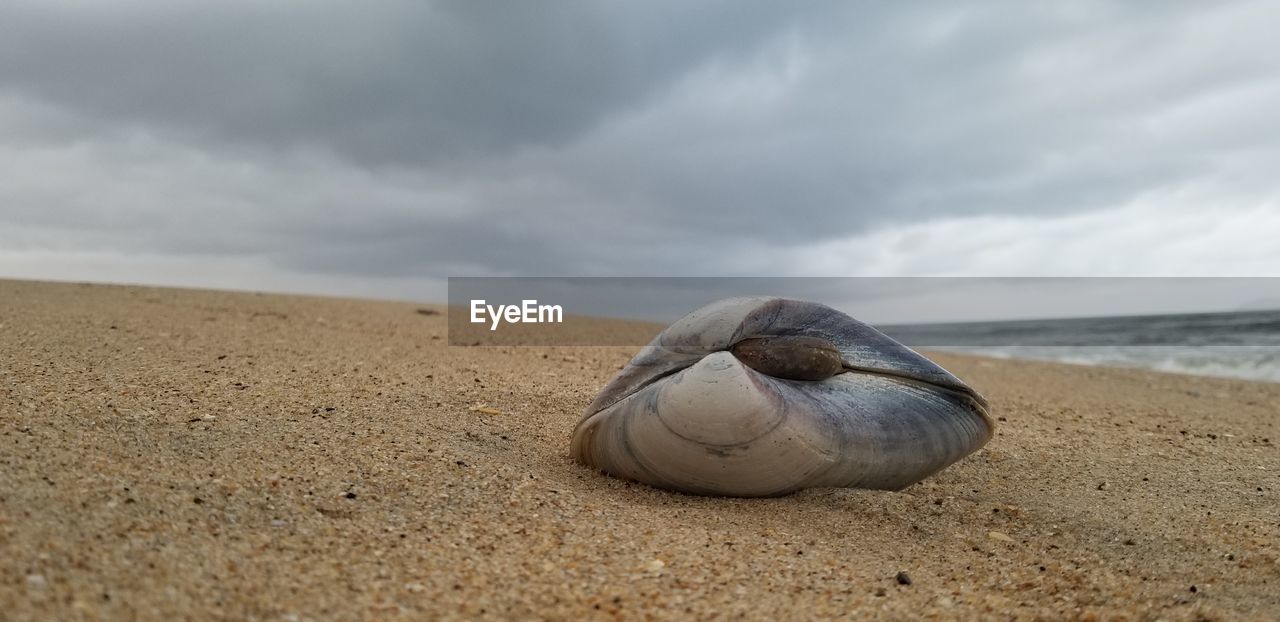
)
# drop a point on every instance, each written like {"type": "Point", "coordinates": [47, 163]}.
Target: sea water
{"type": "Point", "coordinates": [1237, 344]}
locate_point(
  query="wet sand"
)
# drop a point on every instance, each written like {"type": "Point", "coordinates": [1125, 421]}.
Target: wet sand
{"type": "Point", "coordinates": [175, 454]}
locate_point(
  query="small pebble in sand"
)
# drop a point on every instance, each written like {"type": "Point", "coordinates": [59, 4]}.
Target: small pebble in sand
{"type": "Point", "coordinates": [903, 578]}
{"type": "Point", "coordinates": [996, 535]}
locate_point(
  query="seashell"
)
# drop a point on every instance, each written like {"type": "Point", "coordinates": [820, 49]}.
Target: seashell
{"type": "Point", "coordinates": [755, 397]}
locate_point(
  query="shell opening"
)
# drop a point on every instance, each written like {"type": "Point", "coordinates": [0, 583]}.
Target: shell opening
{"type": "Point", "coordinates": [791, 357]}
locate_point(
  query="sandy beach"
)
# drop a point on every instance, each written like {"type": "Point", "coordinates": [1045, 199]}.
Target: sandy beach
{"type": "Point", "coordinates": [181, 454]}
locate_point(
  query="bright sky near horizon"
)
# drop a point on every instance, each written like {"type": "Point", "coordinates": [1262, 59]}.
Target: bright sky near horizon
{"type": "Point", "coordinates": [373, 149]}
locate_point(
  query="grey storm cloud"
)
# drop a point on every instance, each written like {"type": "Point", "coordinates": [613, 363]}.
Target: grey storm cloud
{"type": "Point", "coordinates": [411, 140]}
{"type": "Point", "coordinates": [381, 83]}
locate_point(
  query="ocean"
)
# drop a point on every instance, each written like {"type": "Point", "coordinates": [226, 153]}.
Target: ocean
{"type": "Point", "coordinates": [1242, 344]}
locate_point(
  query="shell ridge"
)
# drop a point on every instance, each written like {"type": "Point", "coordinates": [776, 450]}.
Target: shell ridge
{"type": "Point", "coordinates": [758, 381]}
{"type": "Point", "coordinates": [638, 458]}
{"type": "Point", "coordinates": [830, 460]}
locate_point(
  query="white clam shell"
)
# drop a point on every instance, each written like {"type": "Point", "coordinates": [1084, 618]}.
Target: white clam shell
{"type": "Point", "coordinates": [687, 415]}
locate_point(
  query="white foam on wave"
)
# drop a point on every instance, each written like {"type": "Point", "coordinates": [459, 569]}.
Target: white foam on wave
{"type": "Point", "coordinates": [1248, 363]}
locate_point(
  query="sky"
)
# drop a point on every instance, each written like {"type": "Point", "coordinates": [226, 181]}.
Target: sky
{"type": "Point", "coordinates": [374, 149]}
